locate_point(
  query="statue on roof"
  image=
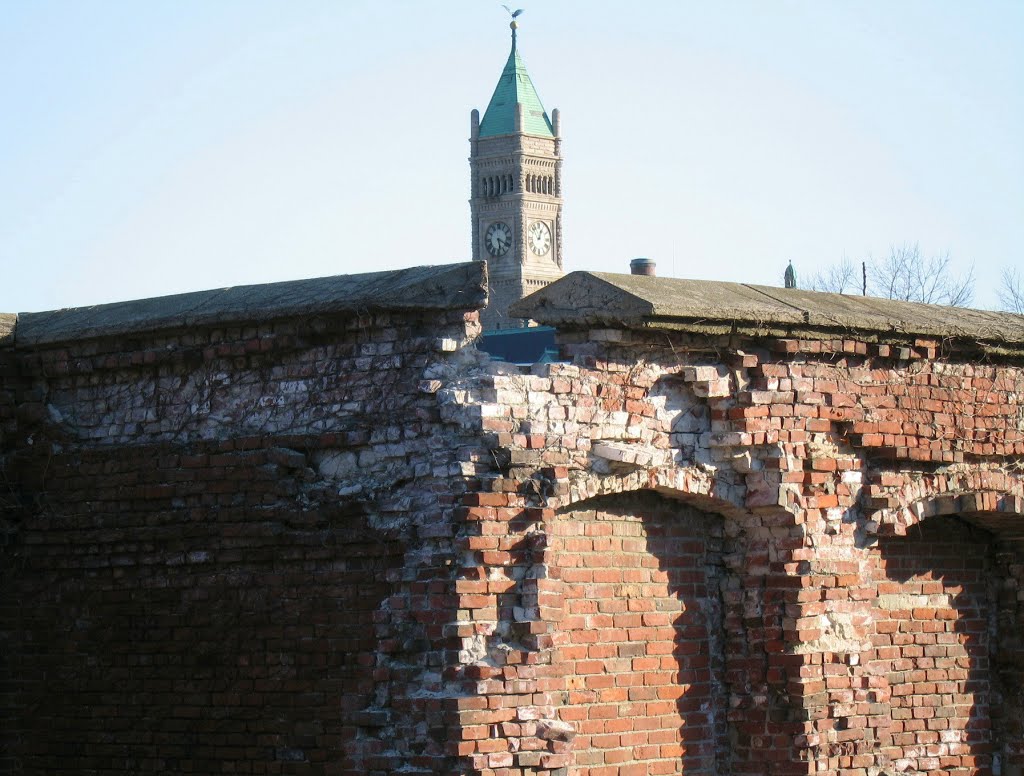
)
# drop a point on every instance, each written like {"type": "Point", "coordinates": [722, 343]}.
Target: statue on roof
{"type": "Point", "coordinates": [790, 277]}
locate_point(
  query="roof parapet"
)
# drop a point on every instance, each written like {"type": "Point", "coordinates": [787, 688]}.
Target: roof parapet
{"type": "Point", "coordinates": [441, 288]}
{"type": "Point", "coordinates": [582, 299]}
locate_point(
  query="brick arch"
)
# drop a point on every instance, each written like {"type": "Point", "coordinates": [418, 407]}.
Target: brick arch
{"type": "Point", "coordinates": [639, 643]}
{"type": "Point", "coordinates": [693, 485]}
{"type": "Point", "coordinates": [897, 500]}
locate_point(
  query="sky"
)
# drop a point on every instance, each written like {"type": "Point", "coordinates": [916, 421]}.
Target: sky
{"type": "Point", "coordinates": [152, 148]}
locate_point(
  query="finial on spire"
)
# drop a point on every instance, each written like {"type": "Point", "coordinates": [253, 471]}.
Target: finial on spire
{"type": "Point", "coordinates": [514, 25]}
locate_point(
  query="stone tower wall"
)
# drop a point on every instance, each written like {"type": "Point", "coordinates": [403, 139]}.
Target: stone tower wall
{"type": "Point", "coordinates": [533, 166]}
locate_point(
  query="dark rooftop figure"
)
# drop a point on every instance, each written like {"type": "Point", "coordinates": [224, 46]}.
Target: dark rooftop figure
{"type": "Point", "coordinates": [790, 276]}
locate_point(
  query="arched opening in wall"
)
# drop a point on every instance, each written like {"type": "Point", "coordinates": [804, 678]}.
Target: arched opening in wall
{"type": "Point", "coordinates": [640, 642]}
{"type": "Point", "coordinates": [935, 626]}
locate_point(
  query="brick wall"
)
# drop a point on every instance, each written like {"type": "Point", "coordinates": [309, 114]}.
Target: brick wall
{"type": "Point", "coordinates": [349, 545]}
{"type": "Point", "coordinates": [640, 642]}
{"type": "Point", "coordinates": [933, 620]}
{"type": "Point", "coordinates": [10, 514]}
{"type": "Point", "coordinates": [236, 550]}
{"type": "Point", "coordinates": [816, 457]}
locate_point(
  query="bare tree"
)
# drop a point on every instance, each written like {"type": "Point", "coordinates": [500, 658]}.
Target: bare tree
{"type": "Point", "coordinates": [1011, 292]}
{"type": "Point", "coordinates": [839, 278]}
{"type": "Point", "coordinates": [906, 274]}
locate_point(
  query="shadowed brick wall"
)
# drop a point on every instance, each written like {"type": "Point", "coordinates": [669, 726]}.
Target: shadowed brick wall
{"type": "Point", "coordinates": [9, 517]}
{"type": "Point", "coordinates": [232, 550]}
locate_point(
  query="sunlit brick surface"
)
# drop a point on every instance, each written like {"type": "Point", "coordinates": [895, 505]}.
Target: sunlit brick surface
{"type": "Point", "coordinates": [640, 641]}
{"type": "Point", "coordinates": [934, 617]}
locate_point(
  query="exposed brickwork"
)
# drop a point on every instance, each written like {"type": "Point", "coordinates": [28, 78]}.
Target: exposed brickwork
{"type": "Point", "coordinates": [231, 633]}
{"type": "Point", "coordinates": [235, 551]}
{"type": "Point", "coordinates": [933, 618]}
{"type": "Point", "coordinates": [351, 545]}
{"type": "Point", "coordinates": [762, 433]}
{"type": "Point", "coordinates": [640, 640]}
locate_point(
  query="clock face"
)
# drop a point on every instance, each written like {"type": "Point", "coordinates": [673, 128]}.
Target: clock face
{"type": "Point", "coordinates": [498, 239]}
{"type": "Point", "coordinates": [540, 238]}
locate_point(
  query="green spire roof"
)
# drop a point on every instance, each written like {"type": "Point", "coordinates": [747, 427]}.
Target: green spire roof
{"type": "Point", "coordinates": [513, 87]}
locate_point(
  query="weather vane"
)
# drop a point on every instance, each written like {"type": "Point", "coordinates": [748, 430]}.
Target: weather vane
{"type": "Point", "coordinates": [514, 23]}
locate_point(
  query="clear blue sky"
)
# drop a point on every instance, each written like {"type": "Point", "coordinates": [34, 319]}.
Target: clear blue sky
{"type": "Point", "coordinates": [149, 148]}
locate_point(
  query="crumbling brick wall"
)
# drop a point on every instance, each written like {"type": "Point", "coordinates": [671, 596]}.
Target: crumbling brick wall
{"type": "Point", "coordinates": [350, 544]}
{"type": "Point", "coordinates": [235, 553]}
{"type": "Point", "coordinates": [817, 456]}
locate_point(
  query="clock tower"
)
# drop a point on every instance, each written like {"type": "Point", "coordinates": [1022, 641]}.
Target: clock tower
{"type": "Point", "coordinates": [516, 192]}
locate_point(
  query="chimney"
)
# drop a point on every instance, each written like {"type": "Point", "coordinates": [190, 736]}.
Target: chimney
{"type": "Point", "coordinates": [642, 267]}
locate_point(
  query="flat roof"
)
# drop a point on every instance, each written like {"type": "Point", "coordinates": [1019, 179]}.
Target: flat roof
{"type": "Point", "coordinates": [438, 288]}
{"type": "Point", "coordinates": [582, 299]}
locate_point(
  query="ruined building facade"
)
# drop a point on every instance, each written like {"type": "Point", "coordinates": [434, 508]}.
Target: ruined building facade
{"type": "Point", "coordinates": [308, 528]}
